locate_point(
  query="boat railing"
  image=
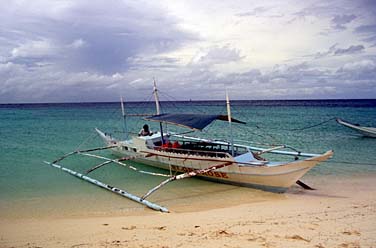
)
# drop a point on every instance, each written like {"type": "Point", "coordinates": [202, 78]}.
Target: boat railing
{"type": "Point", "coordinates": [193, 152]}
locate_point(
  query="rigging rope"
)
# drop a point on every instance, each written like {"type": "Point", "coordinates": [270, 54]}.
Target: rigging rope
{"type": "Point", "coordinates": [86, 140]}
{"type": "Point", "coordinates": [93, 134]}
{"type": "Point", "coordinates": [192, 105]}
{"type": "Point", "coordinates": [312, 126]}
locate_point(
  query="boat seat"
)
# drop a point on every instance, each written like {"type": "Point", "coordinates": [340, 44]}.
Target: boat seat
{"type": "Point", "coordinates": [244, 158]}
{"type": "Point", "coordinates": [176, 145]}
{"type": "Point", "coordinates": [249, 158]}
{"type": "Point", "coordinates": [149, 144]}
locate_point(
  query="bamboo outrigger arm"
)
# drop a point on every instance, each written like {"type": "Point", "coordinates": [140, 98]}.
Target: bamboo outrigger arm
{"type": "Point", "coordinates": [106, 162]}
{"type": "Point", "coordinates": [118, 161]}
{"type": "Point", "coordinates": [270, 149]}
{"type": "Point", "coordinates": [185, 175]}
{"type": "Point", "coordinates": [79, 151]}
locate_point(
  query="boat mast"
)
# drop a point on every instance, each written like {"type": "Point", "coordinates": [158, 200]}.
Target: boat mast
{"type": "Point", "coordinates": [124, 118]}
{"type": "Point", "coordinates": [156, 97]}
{"type": "Point", "coordinates": [230, 123]}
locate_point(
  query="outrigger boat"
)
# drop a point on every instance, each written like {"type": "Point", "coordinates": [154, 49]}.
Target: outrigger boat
{"type": "Point", "coordinates": [365, 131]}
{"type": "Point", "coordinates": [219, 161]}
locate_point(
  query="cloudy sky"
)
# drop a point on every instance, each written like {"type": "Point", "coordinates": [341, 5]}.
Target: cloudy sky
{"type": "Point", "coordinates": [88, 50]}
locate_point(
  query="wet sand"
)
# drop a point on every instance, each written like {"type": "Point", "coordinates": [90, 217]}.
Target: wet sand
{"type": "Point", "coordinates": [341, 213]}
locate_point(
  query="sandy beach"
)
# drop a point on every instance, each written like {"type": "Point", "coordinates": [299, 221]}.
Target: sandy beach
{"type": "Point", "coordinates": [341, 213]}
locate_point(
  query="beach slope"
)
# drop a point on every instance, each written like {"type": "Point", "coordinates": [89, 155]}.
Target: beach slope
{"type": "Point", "coordinates": [341, 213]}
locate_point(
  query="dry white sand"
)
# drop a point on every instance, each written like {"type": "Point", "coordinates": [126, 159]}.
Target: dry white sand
{"type": "Point", "coordinates": [341, 213]}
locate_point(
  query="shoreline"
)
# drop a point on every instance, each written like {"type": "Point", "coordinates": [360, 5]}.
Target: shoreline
{"type": "Point", "coordinates": [198, 195]}
{"type": "Point", "coordinates": [341, 213]}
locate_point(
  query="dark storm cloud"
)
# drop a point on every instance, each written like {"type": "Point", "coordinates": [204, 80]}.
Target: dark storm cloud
{"type": "Point", "coordinates": [109, 34]}
{"type": "Point", "coordinates": [329, 52]}
{"type": "Point", "coordinates": [304, 81]}
{"type": "Point", "coordinates": [339, 21]}
{"type": "Point", "coordinates": [368, 32]}
{"type": "Point", "coordinates": [329, 9]}
{"type": "Point", "coordinates": [48, 47]}
{"type": "Point", "coordinates": [366, 29]}
{"type": "Point", "coordinates": [349, 50]}
{"type": "Point", "coordinates": [154, 62]}
{"type": "Point", "coordinates": [334, 51]}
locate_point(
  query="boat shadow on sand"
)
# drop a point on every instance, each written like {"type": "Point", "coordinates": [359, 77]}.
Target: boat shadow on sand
{"type": "Point", "coordinates": [314, 193]}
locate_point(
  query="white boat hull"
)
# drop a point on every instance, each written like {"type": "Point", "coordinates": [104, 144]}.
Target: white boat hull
{"type": "Point", "coordinates": [277, 177]}
{"type": "Point", "coordinates": [365, 131]}
{"type": "Point", "coordinates": [272, 178]}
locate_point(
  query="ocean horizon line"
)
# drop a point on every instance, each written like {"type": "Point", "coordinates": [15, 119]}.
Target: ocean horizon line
{"type": "Point", "coordinates": [196, 101]}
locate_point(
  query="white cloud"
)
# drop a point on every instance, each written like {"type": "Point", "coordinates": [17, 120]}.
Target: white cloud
{"type": "Point", "coordinates": [77, 43]}
{"type": "Point", "coordinates": [364, 66]}
{"type": "Point", "coordinates": [35, 49]}
{"type": "Point", "coordinates": [354, 72]}
{"type": "Point", "coordinates": [92, 50]}
{"type": "Point", "coordinates": [217, 55]}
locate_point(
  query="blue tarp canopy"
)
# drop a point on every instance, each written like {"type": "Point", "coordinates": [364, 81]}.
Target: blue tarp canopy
{"type": "Point", "coordinates": [193, 121]}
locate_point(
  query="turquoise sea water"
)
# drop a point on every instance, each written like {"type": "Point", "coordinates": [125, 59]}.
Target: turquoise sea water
{"type": "Point", "coordinates": [32, 133]}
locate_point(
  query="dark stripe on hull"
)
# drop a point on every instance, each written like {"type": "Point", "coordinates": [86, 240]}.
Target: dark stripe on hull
{"type": "Point", "coordinates": [273, 189]}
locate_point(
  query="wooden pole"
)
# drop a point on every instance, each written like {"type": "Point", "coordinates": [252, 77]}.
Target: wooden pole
{"type": "Point", "coordinates": [185, 175]}
{"type": "Point", "coordinates": [78, 151]}
{"type": "Point", "coordinates": [110, 188]}
{"type": "Point", "coordinates": [156, 97]}
{"type": "Point", "coordinates": [303, 185]}
{"type": "Point", "coordinates": [124, 118]}
{"type": "Point", "coordinates": [230, 124]}
{"type": "Point", "coordinates": [117, 161]}
{"type": "Point", "coordinates": [97, 167]}
{"type": "Point", "coordinates": [270, 149]}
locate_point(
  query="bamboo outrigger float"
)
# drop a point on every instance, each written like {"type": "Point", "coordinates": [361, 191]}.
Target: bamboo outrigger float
{"type": "Point", "coordinates": [219, 161]}
{"type": "Point", "coordinates": [110, 188]}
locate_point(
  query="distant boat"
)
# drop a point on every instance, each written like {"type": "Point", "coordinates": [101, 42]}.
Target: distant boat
{"type": "Point", "coordinates": [365, 131]}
